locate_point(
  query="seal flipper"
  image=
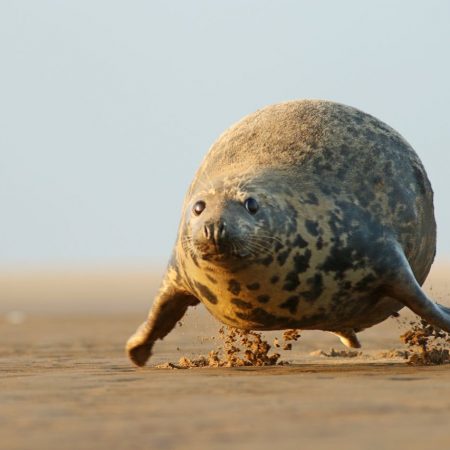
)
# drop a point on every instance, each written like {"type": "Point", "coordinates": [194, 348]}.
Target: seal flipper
{"type": "Point", "coordinates": [348, 338]}
{"type": "Point", "coordinates": [404, 287]}
{"type": "Point", "coordinates": [168, 308]}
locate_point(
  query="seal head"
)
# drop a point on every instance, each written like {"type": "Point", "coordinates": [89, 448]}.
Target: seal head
{"type": "Point", "coordinates": [232, 223]}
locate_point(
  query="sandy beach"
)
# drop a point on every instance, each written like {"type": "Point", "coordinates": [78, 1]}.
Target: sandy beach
{"type": "Point", "coordinates": [66, 383]}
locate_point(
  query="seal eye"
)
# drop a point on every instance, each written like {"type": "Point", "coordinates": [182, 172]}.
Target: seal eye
{"type": "Point", "coordinates": [199, 207]}
{"type": "Point", "coordinates": [251, 205]}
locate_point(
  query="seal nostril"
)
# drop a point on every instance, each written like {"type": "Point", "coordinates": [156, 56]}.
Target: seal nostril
{"type": "Point", "coordinates": [222, 230]}
{"type": "Point", "coordinates": [206, 232]}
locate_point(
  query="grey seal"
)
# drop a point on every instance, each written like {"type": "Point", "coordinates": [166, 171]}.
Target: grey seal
{"type": "Point", "coordinates": [307, 214]}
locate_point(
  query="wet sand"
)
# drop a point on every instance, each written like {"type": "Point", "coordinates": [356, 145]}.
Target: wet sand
{"type": "Point", "coordinates": [65, 383]}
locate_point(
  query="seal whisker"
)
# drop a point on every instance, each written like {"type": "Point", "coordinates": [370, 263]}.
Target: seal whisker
{"type": "Point", "coordinates": [256, 247]}
{"type": "Point", "coordinates": [261, 242]}
{"type": "Point", "coordinates": [264, 242]}
{"type": "Point", "coordinates": [211, 184]}
{"type": "Point", "coordinates": [266, 236]}
{"type": "Point", "coordinates": [261, 236]}
{"type": "Point", "coordinates": [188, 245]}
{"type": "Point", "coordinates": [204, 186]}
{"type": "Point", "coordinates": [246, 248]}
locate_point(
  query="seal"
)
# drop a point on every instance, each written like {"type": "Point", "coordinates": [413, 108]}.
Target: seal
{"type": "Point", "coordinates": [306, 214]}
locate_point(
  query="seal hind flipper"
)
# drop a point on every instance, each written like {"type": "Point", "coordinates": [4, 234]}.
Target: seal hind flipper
{"type": "Point", "coordinates": [169, 307]}
{"type": "Point", "coordinates": [348, 338]}
{"type": "Point", "coordinates": [404, 287]}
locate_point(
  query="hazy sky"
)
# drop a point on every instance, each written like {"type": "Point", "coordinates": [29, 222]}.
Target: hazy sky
{"type": "Point", "coordinates": [107, 108]}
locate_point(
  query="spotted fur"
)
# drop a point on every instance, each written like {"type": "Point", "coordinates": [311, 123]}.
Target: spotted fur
{"type": "Point", "coordinates": [338, 191]}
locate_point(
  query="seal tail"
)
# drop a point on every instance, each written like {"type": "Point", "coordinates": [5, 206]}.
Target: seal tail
{"type": "Point", "coordinates": [405, 288]}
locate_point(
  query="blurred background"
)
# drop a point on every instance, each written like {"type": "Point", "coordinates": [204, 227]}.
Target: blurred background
{"type": "Point", "coordinates": [107, 108]}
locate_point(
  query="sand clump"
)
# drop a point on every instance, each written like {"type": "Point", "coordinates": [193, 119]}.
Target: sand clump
{"type": "Point", "coordinates": [395, 354]}
{"type": "Point", "coordinates": [332, 353]}
{"type": "Point", "coordinates": [239, 348]}
{"type": "Point", "coordinates": [427, 345]}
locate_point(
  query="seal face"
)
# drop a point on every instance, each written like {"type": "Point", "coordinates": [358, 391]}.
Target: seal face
{"type": "Point", "coordinates": [306, 214]}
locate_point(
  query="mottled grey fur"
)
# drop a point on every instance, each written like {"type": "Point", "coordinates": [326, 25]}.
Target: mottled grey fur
{"type": "Point", "coordinates": [344, 237]}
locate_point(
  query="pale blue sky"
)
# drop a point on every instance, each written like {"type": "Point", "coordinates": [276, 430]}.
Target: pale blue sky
{"type": "Point", "coordinates": [107, 107]}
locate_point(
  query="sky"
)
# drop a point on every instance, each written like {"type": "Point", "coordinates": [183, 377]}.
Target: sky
{"type": "Point", "coordinates": [108, 107]}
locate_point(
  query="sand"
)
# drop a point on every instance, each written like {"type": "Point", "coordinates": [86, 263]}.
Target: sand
{"type": "Point", "coordinates": [65, 382]}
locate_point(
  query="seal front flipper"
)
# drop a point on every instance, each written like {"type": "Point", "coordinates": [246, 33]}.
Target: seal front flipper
{"type": "Point", "coordinates": [168, 308]}
{"type": "Point", "coordinates": [404, 287]}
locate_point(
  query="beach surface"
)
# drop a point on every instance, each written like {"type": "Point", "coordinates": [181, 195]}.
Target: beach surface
{"type": "Point", "coordinates": [65, 382]}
